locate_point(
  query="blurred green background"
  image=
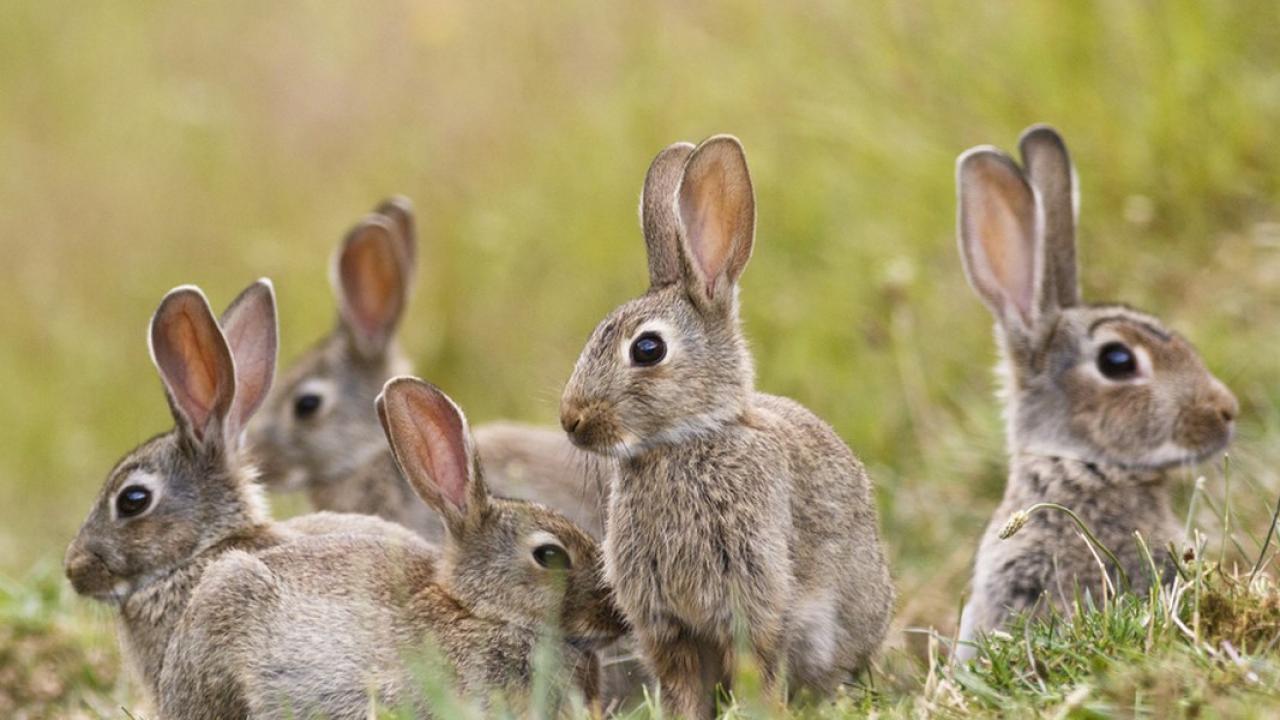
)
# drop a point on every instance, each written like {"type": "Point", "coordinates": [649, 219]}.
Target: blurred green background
{"type": "Point", "coordinates": [150, 144]}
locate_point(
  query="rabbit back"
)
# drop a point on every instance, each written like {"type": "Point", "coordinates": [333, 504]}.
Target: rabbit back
{"type": "Point", "coordinates": [346, 604]}
{"type": "Point", "coordinates": [842, 576]}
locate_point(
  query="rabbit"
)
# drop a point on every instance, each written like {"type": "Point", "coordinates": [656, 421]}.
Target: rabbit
{"type": "Point", "coordinates": [318, 432]}
{"type": "Point", "coordinates": [1101, 400]}
{"type": "Point", "coordinates": [310, 628]}
{"type": "Point", "coordinates": [729, 509]}
{"type": "Point", "coordinates": [182, 498]}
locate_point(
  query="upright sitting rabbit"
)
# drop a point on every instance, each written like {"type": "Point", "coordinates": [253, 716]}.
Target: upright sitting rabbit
{"type": "Point", "coordinates": [311, 628]}
{"type": "Point", "coordinates": [180, 500]}
{"type": "Point", "coordinates": [1101, 400]}
{"type": "Point", "coordinates": [731, 509]}
{"type": "Point", "coordinates": [318, 431]}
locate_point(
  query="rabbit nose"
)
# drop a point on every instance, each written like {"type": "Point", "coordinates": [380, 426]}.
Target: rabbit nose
{"type": "Point", "coordinates": [78, 566]}
{"type": "Point", "coordinates": [1228, 411]}
{"type": "Point", "coordinates": [570, 420]}
{"type": "Point", "coordinates": [1227, 405]}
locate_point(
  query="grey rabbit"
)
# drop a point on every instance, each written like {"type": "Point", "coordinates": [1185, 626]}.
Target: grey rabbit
{"type": "Point", "coordinates": [728, 505]}
{"type": "Point", "coordinates": [318, 433]}
{"type": "Point", "coordinates": [315, 628]}
{"type": "Point", "coordinates": [1101, 400]}
{"type": "Point", "coordinates": [180, 500]}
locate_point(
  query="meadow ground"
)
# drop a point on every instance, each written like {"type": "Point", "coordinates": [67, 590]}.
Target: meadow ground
{"type": "Point", "coordinates": [147, 145]}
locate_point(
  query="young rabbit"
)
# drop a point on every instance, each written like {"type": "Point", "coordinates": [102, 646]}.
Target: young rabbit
{"type": "Point", "coordinates": [731, 509]}
{"type": "Point", "coordinates": [318, 432]}
{"type": "Point", "coordinates": [1100, 400]}
{"type": "Point", "coordinates": [183, 498]}
{"type": "Point", "coordinates": [311, 628]}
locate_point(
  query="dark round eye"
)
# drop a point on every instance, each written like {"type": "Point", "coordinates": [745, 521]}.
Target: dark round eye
{"type": "Point", "coordinates": [648, 349]}
{"type": "Point", "coordinates": [552, 557]}
{"type": "Point", "coordinates": [1117, 362]}
{"type": "Point", "coordinates": [306, 405]}
{"type": "Point", "coordinates": [132, 501]}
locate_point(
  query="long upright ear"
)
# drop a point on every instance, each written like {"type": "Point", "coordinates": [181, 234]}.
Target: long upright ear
{"type": "Point", "coordinates": [399, 210]}
{"type": "Point", "coordinates": [998, 221]}
{"type": "Point", "coordinates": [1049, 168]}
{"type": "Point", "coordinates": [432, 445]}
{"type": "Point", "coordinates": [716, 206]}
{"type": "Point", "coordinates": [195, 364]}
{"type": "Point", "coordinates": [370, 285]}
{"type": "Point", "coordinates": [658, 213]}
{"type": "Point", "coordinates": [252, 331]}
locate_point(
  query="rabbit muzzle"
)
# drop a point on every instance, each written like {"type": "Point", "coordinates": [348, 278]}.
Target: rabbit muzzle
{"type": "Point", "coordinates": [1206, 424]}
{"type": "Point", "coordinates": [590, 425]}
{"type": "Point", "coordinates": [91, 576]}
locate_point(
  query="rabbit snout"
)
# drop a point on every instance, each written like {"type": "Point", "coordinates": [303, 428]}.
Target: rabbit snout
{"type": "Point", "coordinates": [590, 424]}
{"type": "Point", "coordinates": [1207, 423]}
{"type": "Point", "coordinates": [88, 572]}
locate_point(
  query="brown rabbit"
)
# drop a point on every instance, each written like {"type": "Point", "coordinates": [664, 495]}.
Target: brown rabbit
{"type": "Point", "coordinates": [728, 505]}
{"type": "Point", "coordinates": [180, 500]}
{"type": "Point", "coordinates": [312, 628]}
{"type": "Point", "coordinates": [318, 432]}
{"type": "Point", "coordinates": [1100, 400]}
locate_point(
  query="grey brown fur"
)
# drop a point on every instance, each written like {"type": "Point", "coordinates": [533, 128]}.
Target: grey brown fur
{"type": "Point", "coordinates": [1097, 444]}
{"type": "Point", "coordinates": [337, 454]}
{"type": "Point", "coordinates": [315, 627]}
{"type": "Point", "coordinates": [729, 505]}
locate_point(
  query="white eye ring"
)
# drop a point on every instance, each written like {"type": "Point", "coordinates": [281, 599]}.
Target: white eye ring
{"type": "Point", "coordinates": [541, 538]}
{"type": "Point", "coordinates": [662, 329]}
{"type": "Point", "coordinates": [318, 387]}
{"type": "Point", "coordinates": [143, 478]}
{"type": "Point", "coordinates": [1145, 371]}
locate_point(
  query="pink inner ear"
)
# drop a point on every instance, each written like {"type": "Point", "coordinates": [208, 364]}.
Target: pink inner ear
{"type": "Point", "coordinates": [186, 351]}
{"type": "Point", "coordinates": [999, 217]}
{"type": "Point", "coordinates": [1009, 253]}
{"type": "Point", "coordinates": [708, 221]}
{"type": "Point", "coordinates": [442, 448]}
{"type": "Point", "coordinates": [371, 284]}
{"type": "Point", "coordinates": [250, 331]}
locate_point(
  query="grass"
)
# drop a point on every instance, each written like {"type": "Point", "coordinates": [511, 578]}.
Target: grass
{"type": "Point", "coordinates": [152, 144]}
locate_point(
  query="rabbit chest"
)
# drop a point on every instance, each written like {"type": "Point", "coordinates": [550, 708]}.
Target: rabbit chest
{"type": "Point", "coordinates": [700, 531]}
{"type": "Point", "coordinates": [1113, 502]}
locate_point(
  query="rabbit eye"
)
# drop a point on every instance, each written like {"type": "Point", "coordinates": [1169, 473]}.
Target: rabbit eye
{"type": "Point", "coordinates": [648, 349]}
{"type": "Point", "coordinates": [1117, 362]}
{"type": "Point", "coordinates": [132, 501]}
{"type": "Point", "coordinates": [306, 405]}
{"type": "Point", "coordinates": [552, 557]}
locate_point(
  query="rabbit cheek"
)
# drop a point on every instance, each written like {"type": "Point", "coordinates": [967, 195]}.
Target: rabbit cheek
{"type": "Point", "coordinates": [1127, 425]}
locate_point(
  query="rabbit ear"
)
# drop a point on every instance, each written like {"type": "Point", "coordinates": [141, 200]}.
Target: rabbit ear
{"type": "Point", "coordinates": [370, 284]}
{"type": "Point", "coordinates": [998, 224]}
{"type": "Point", "coordinates": [716, 207]}
{"type": "Point", "coordinates": [1044, 155]}
{"type": "Point", "coordinates": [195, 364]}
{"type": "Point", "coordinates": [251, 329]}
{"type": "Point", "coordinates": [399, 210]}
{"type": "Point", "coordinates": [432, 445]}
{"type": "Point", "coordinates": [658, 213]}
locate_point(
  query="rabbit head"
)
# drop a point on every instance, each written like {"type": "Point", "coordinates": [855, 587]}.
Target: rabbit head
{"type": "Point", "coordinates": [509, 560]}
{"type": "Point", "coordinates": [187, 490]}
{"type": "Point", "coordinates": [319, 423]}
{"type": "Point", "coordinates": [1100, 383]}
{"type": "Point", "coordinates": [673, 362]}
